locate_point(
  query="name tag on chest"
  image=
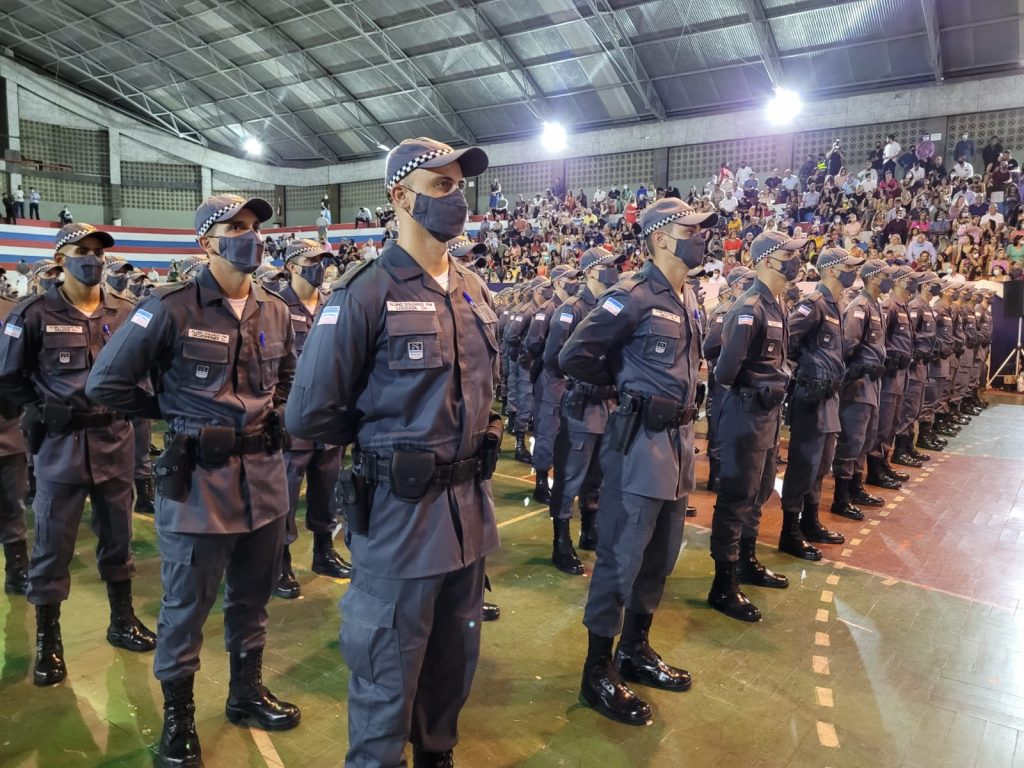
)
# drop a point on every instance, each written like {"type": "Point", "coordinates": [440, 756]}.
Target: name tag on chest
{"type": "Point", "coordinates": [411, 306]}
{"type": "Point", "coordinates": [220, 338]}
{"type": "Point", "coordinates": [666, 315]}
{"type": "Point", "coordinates": [65, 329]}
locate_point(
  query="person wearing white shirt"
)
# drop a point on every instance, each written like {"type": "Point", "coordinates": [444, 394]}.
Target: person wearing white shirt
{"type": "Point", "coordinates": [868, 179]}
{"type": "Point", "coordinates": [790, 182]}
{"type": "Point", "coordinates": [890, 153]}
{"type": "Point", "coordinates": [920, 246]}
{"type": "Point", "coordinates": [729, 203]}
{"type": "Point", "coordinates": [962, 169]}
{"type": "Point", "coordinates": [994, 216]}
{"type": "Point", "coordinates": [600, 195]}
{"type": "Point", "coordinates": [916, 172]}
{"type": "Point", "coordinates": [743, 173]}
{"type": "Point", "coordinates": [712, 289]}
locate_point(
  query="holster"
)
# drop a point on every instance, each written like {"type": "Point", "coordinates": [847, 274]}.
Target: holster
{"type": "Point", "coordinates": [660, 413]}
{"type": "Point", "coordinates": [811, 391]}
{"type": "Point", "coordinates": [275, 432]}
{"type": "Point", "coordinates": [905, 362]}
{"type": "Point", "coordinates": [770, 397]}
{"type": "Point", "coordinates": [56, 416]}
{"type": "Point", "coordinates": [34, 429]}
{"type": "Point", "coordinates": [173, 470]}
{"type": "Point", "coordinates": [490, 449]}
{"type": "Point", "coordinates": [875, 372]}
{"type": "Point", "coordinates": [215, 446]}
{"type": "Point", "coordinates": [701, 394]}
{"type": "Point", "coordinates": [353, 497]}
{"type": "Point", "coordinates": [575, 404]}
{"type": "Point", "coordinates": [624, 423]}
{"type": "Point", "coordinates": [412, 472]}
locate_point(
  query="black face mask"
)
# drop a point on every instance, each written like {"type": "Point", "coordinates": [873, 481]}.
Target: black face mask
{"type": "Point", "coordinates": [571, 289]}
{"type": "Point", "coordinates": [847, 279]}
{"type": "Point", "coordinates": [138, 289]}
{"type": "Point", "coordinates": [788, 269]}
{"type": "Point", "coordinates": [443, 217]}
{"type": "Point", "coordinates": [608, 276]}
{"type": "Point", "coordinates": [244, 253]}
{"type": "Point", "coordinates": [547, 293]}
{"type": "Point", "coordinates": [313, 274]}
{"type": "Point", "coordinates": [88, 269]}
{"type": "Point", "coordinates": [118, 282]}
{"type": "Point", "coordinates": [690, 252]}
{"type": "Point", "coordinates": [885, 286]}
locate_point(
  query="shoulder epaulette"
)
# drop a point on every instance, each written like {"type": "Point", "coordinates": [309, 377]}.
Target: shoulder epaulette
{"type": "Point", "coordinates": [166, 290]}
{"type": "Point", "coordinates": [343, 281]}
{"type": "Point", "coordinates": [27, 301]}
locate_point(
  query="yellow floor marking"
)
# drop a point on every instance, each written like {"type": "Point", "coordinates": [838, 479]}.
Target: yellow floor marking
{"type": "Point", "coordinates": [527, 479]}
{"type": "Point", "coordinates": [883, 513]}
{"type": "Point", "coordinates": [266, 748]}
{"type": "Point", "coordinates": [889, 582]}
{"type": "Point", "coordinates": [826, 596]}
{"type": "Point", "coordinates": [900, 498]}
{"type": "Point", "coordinates": [820, 665]}
{"type": "Point", "coordinates": [824, 697]}
{"type": "Point", "coordinates": [875, 522]}
{"type": "Point", "coordinates": [821, 615]}
{"type": "Point", "coordinates": [839, 565]}
{"type": "Point", "coordinates": [847, 552]}
{"type": "Point", "coordinates": [822, 639]}
{"type": "Point", "coordinates": [832, 579]}
{"type": "Point", "coordinates": [864, 531]}
{"type": "Point", "coordinates": [890, 506]}
{"type": "Point", "coordinates": [856, 542]}
{"type": "Point", "coordinates": [827, 735]}
{"type": "Point", "coordinates": [522, 517]}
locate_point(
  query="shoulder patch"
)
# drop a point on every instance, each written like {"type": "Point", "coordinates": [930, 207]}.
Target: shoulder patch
{"type": "Point", "coordinates": [539, 316]}
{"type": "Point", "coordinates": [858, 314]}
{"type": "Point", "coordinates": [745, 320]}
{"type": "Point", "coordinates": [14, 331]}
{"type": "Point", "coordinates": [612, 306]}
{"type": "Point", "coordinates": [804, 310]}
{"type": "Point", "coordinates": [666, 315]}
{"type": "Point", "coordinates": [565, 317]}
{"type": "Point", "coordinates": [142, 317]}
{"type": "Point", "coordinates": [329, 316]}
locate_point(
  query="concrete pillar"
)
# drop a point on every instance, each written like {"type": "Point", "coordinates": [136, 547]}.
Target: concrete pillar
{"type": "Point", "coordinates": [13, 129]}
{"type": "Point", "coordinates": [205, 182]}
{"type": "Point", "coordinates": [660, 168]}
{"type": "Point", "coordinates": [114, 172]}
{"type": "Point", "coordinates": [334, 201]}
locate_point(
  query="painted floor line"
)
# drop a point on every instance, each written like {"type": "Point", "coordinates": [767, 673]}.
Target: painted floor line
{"type": "Point", "coordinates": [266, 748]}
{"type": "Point", "coordinates": [520, 518]}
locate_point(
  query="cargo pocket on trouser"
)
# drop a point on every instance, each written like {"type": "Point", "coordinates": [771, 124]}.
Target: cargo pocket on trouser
{"type": "Point", "coordinates": [371, 648]}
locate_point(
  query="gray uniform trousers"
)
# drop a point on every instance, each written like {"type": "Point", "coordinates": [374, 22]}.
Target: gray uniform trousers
{"type": "Point", "coordinates": [191, 570]}
{"type": "Point", "coordinates": [577, 471]}
{"type": "Point", "coordinates": [637, 549]}
{"type": "Point", "coordinates": [524, 400]}
{"type": "Point", "coordinates": [13, 484]}
{"type": "Point", "coordinates": [412, 647]}
{"type": "Point", "coordinates": [947, 395]}
{"type": "Point", "coordinates": [979, 360]}
{"type": "Point", "coordinates": [913, 399]}
{"type": "Point", "coordinates": [747, 473]}
{"type": "Point", "coordinates": [963, 375]}
{"type": "Point", "coordinates": [934, 398]}
{"type": "Point", "coordinates": [320, 467]}
{"type": "Point", "coordinates": [860, 426]}
{"type": "Point", "coordinates": [811, 451]}
{"type": "Point", "coordinates": [716, 394]}
{"type": "Point", "coordinates": [58, 511]}
{"type": "Point", "coordinates": [143, 439]}
{"type": "Point", "coordinates": [511, 387]}
{"type": "Point", "coordinates": [890, 401]}
{"type": "Point", "coordinates": [547, 422]}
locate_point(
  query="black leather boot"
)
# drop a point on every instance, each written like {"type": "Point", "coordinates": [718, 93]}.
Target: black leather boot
{"type": "Point", "coordinates": [287, 585]}
{"type": "Point", "coordinates": [841, 504]}
{"type": "Point", "coordinates": [562, 553]}
{"type": "Point", "coordinates": [956, 416]}
{"type": "Point", "coordinates": [791, 539]}
{"type": "Point", "coordinates": [713, 466]}
{"type": "Point", "coordinates": [179, 742]}
{"type": "Point", "coordinates": [859, 496]}
{"type": "Point", "coordinates": [49, 668]}
{"type": "Point", "coordinates": [249, 698]}
{"type": "Point", "coordinates": [637, 662]}
{"type": "Point", "coordinates": [603, 688]}
{"type": "Point", "coordinates": [751, 571]}
{"type": "Point", "coordinates": [144, 499]}
{"type": "Point", "coordinates": [541, 490]}
{"type": "Point", "coordinates": [421, 759]}
{"type": "Point", "coordinates": [944, 425]}
{"type": "Point", "coordinates": [901, 476]}
{"type": "Point", "coordinates": [725, 595]}
{"type": "Point", "coordinates": [981, 401]}
{"type": "Point", "coordinates": [125, 630]}
{"type": "Point", "coordinates": [926, 438]}
{"type": "Point", "coordinates": [902, 453]}
{"type": "Point", "coordinates": [969, 408]}
{"type": "Point", "coordinates": [16, 568]}
{"type": "Point", "coordinates": [813, 530]}
{"type": "Point", "coordinates": [877, 476]}
{"type": "Point", "coordinates": [326, 560]}
{"type": "Point", "coordinates": [491, 612]}
{"type": "Point", "coordinates": [588, 529]}
{"type": "Point", "coordinates": [522, 454]}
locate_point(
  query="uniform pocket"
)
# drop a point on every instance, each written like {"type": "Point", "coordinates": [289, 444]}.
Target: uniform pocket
{"type": "Point", "coordinates": [414, 341]}
{"type": "Point", "coordinates": [175, 548]}
{"type": "Point", "coordinates": [204, 365]}
{"type": "Point", "coordinates": [489, 322]}
{"type": "Point", "coordinates": [369, 640]}
{"type": "Point", "coordinates": [270, 354]}
{"type": "Point", "coordinates": [661, 341]}
{"type": "Point", "coordinates": [773, 341]}
{"type": "Point", "coordinates": [65, 353]}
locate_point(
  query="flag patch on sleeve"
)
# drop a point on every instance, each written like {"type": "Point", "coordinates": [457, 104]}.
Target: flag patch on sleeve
{"type": "Point", "coordinates": [745, 320]}
{"type": "Point", "coordinates": [565, 317]}
{"type": "Point", "coordinates": [14, 331]}
{"type": "Point", "coordinates": [329, 316]}
{"type": "Point", "coordinates": [142, 317]}
{"type": "Point", "coordinates": [612, 306]}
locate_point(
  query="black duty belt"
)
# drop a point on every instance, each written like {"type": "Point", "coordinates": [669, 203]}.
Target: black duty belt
{"type": "Point", "coordinates": [81, 421]}
{"type": "Point", "coordinates": [593, 391]}
{"type": "Point", "coordinates": [377, 469]}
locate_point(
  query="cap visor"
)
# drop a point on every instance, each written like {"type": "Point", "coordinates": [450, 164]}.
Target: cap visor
{"type": "Point", "coordinates": [259, 206]}
{"type": "Point", "coordinates": [704, 220]}
{"type": "Point", "coordinates": [794, 244]}
{"type": "Point", "coordinates": [853, 261]}
{"type": "Point", "coordinates": [472, 160]}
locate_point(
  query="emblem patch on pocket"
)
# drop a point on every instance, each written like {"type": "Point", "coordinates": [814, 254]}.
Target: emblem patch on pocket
{"type": "Point", "coordinates": [202, 371]}
{"type": "Point", "coordinates": [415, 350]}
{"type": "Point", "coordinates": [660, 347]}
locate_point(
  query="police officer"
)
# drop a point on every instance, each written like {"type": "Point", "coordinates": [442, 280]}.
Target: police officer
{"type": "Point", "coordinates": [738, 281]}
{"type": "Point", "coordinates": [752, 368]}
{"type": "Point", "coordinates": [13, 486]}
{"type": "Point", "coordinates": [521, 361]}
{"type": "Point", "coordinates": [922, 320]}
{"type": "Point", "coordinates": [583, 418]}
{"type": "Point", "coordinates": [191, 266]}
{"type": "Point", "coordinates": [816, 348]}
{"type": "Point", "coordinates": [983, 314]}
{"type": "Point", "coordinates": [220, 350]}
{"type": "Point", "coordinates": [117, 277]}
{"type": "Point", "coordinates": [44, 276]}
{"type": "Point", "coordinates": [935, 409]}
{"type": "Point", "coordinates": [968, 300]}
{"type": "Point", "coordinates": [548, 389]}
{"type": "Point", "coordinates": [48, 346]}
{"type": "Point", "coordinates": [644, 338]}
{"type": "Point", "coordinates": [899, 355]}
{"type": "Point", "coordinates": [402, 363]}
{"type": "Point", "coordinates": [864, 350]}
{"type": "Point", "coordinates": [316, 463]}
{"type": "Point", "coordinates": [959, 373]}
{"type": "Point", "coordinates": [139, 284]}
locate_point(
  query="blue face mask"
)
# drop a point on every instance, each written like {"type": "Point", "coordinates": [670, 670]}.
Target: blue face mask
{"type": "Point", "coordinates": [690, 252]}
{"type": "Point", "coordinates": [788, 269]}
{"type": "Point", "coordinates": [886, 285]}
{"type": "Point", "coordinates": [88, 269]}
{"type": "Point", "coordinates": [571, 289]}
{"type": "Point", "coordinates": [608, 276]}
{"type": "Point", "coordinates": [117, 282]}
{"type": "Point", "coordinates": [847, 279]}
{"type": "Point", "coordinates": [244, 253]}
{"type": "Point", "coordinates": [443, 217]}
{"type": "Point", "coordinates": [313, 274]}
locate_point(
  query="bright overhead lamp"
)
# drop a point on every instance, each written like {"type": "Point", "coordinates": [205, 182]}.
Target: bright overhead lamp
{"type": "Point", "coordinates": [784, 106]}
{"type": "Point", "coordinates": [253, 146]}
{"type": "Point", "coordinates": [552, 137]}
{"type": "Point", "coordinates": [383, 147]}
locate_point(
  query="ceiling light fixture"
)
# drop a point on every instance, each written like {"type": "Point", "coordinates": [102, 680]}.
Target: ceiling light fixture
{"type": "Point", "coordinates": [253, 146]}
{"type": "Point", "coordinates": [552, 138]}
{"type": "Point", "coordinates": [783, 106]}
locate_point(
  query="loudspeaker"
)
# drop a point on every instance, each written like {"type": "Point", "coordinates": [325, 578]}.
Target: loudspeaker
{"type": "Point", "coordinates": [1013, 298]}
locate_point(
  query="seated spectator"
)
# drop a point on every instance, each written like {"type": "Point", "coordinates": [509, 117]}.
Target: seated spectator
{"type": "Point", "coordinates": [921, 252]}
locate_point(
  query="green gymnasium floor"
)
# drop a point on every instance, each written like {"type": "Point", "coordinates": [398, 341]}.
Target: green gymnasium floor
{"type": "Point", "coordinates": [905, 649]}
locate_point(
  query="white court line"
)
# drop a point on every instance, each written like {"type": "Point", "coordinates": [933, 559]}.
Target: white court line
{"type": "Point", "coordinates": [266, 748]}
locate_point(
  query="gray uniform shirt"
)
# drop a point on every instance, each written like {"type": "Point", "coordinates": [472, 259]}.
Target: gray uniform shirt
{"type": "Point", "coordinates": [395, 361]}
{"type": "Point", "coordinates": [816, 347]}
{"type": "Point", "coordinates": [211, 369]}
{"type": "Point", "coordinates": [12, 441]}
{"type": "Point", "coordinates": [863, 345]}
